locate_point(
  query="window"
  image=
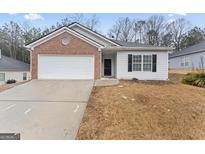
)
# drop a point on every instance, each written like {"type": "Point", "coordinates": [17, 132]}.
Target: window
{"type": "Point", "coordinates": [184, 61]}
{"type": "Point", "coordinates": [2, 76]}
{"type": "Point", "coordinates": [24, 76]}
{"type": "Point", "coordinates": [147, 62]}
{"type": "Point", "coordinates": [137, 62]}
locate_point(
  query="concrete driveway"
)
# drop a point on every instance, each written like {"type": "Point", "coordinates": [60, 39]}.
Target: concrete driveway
{"type": "Point", "coordinates": [44, 109]}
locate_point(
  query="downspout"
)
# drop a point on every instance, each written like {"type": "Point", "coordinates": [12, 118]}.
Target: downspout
{"type": "Point", "coordinates": [30, 49]}
{"type": "Point", "coordinates": [100, 50]}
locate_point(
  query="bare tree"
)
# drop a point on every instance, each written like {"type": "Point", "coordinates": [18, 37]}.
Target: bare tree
{"type": "Point", "coordinates": [155, 27]}
{"type": "Point", "coordinates": [127, 30]}
{"type": "Point", "coordinates": [123, 30]}
{"type": "Point", "coordinates": [115, 31]}
{"type": "Point", "coordinates": [92, 22]}
{"type": "Point", "coordinates": [139, 27]}
{"type": "Point", "coordinates": [178, 29]}
{"type": "Point", "coordinates": [29, 33]}
{"type": "Point", "coordinates": [78, 17]}
{"type": "Point", "coordinates": [11, 37]}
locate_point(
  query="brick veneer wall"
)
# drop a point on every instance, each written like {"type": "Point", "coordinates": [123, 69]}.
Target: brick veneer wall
{"type": "Point", "coordinates": [76, 46]}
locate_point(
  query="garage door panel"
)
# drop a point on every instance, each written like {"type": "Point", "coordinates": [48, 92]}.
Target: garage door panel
{"type": "Point", "coordinates": [65, 67]}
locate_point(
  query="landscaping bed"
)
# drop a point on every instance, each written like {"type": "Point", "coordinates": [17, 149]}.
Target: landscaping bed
{"type": "Point", "coordinates": [145, 110]}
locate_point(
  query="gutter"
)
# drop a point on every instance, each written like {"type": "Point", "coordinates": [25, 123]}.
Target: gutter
{"type": "Point", "coordinates": [184, 54]}
{"type": "Point", "coordinates": [137, 49]}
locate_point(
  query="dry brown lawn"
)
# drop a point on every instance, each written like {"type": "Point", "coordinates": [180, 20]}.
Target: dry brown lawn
{"type": "Point", "coordinates": [145, 110]}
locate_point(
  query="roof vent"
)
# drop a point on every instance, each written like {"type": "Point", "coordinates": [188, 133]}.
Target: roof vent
{"type": "Point", "coordinates": [65, 40]}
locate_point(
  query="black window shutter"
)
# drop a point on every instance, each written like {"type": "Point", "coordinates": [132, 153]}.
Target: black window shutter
{"type": "Point", "coordinates": [129, 63]}
{"type": "Point", "coordinates": [154, 63]}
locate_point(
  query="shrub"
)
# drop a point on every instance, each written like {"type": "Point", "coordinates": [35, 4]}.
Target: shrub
{"type": "Point", "coordinates": [188, 80]}
{"type": "Point", "coordinates": [196, 79]}
{"type": "Point", "coordinates": [10, 81]}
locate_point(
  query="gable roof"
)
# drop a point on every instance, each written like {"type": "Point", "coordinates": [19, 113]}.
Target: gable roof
{"type": "Point", "coordinates": [116, 44]}
{"type": "Point", "coordinates": [93, 32]}
{"type": "Point", "coordinates": [60, 31]}
{"type": "Point", "coordinates": [200, 47]}
{"type": "Point", "coordinates": [10, 64]}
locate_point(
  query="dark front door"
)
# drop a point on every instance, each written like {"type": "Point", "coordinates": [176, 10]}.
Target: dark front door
{"type": "Point", "coordinates": [107, 67]}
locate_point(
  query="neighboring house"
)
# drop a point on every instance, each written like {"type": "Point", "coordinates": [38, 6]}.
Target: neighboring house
{"type": "Point", "coordinates": [13, 69]}
{"type": "Point", "coordinates": [191, 58]}
{"type": "Point", "coordinates": [76, 52]}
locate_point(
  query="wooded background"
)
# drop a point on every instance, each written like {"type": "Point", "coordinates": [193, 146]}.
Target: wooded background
{"type": "Point", "coordinates": [155, 30]}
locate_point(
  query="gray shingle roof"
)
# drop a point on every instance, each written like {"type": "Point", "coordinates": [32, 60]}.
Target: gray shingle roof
{"type": "Point", "coordinates": [200, 47]}
{"type": "Point", "coordinates": [133, 44]}
{"type": "Point", "coordinates": [10, 64]}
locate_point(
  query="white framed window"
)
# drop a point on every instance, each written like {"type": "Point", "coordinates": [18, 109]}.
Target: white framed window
{"type": "Point", "coordinates": [2, 76]}
{"type": "Point", "coordinates": [137, 62]}
{"type": "Point", "coordinates": [24, 76]}
{"type": "Point", "coordinates": [147, 63]}
{"type": "Point", "coordinates": [184, 61]}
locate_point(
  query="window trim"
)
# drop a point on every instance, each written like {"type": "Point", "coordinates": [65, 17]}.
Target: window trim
{"type": "Point", "coordinates": [4, 74]}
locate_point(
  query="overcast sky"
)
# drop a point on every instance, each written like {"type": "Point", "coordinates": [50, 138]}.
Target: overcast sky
{"type": "Point", "coordinates": [106, 19]}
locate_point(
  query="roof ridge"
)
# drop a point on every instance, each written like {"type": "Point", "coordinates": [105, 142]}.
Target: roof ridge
{"type": "Point", "coordinates": [93, 31]}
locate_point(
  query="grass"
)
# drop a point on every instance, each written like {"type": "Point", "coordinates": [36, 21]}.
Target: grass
{"type": "Point", "coordinates": [145, 110]}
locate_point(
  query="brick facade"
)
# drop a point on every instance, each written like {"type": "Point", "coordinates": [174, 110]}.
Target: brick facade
{"type": "Point", "coordinates": [76, 46]}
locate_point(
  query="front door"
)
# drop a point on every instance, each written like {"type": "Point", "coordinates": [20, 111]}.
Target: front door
{"type": "Point", "coordinates": [107, 67]}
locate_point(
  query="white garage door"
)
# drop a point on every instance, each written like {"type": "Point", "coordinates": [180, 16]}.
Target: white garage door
{"type": "Point", "coordinates": [65, 67]}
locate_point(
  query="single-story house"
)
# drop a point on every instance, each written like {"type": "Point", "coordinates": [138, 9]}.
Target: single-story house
{"type": "Point", "coordinates": [191, 58]}
{"type": "Point", "coordinates": [77, 52]}
{"type": "Point", "coordinates": [13, 69]}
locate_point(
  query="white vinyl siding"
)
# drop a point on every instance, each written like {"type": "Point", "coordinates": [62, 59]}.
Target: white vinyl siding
{"type": "Point", "coordinates": [18, 76]}
{"type": "Point", "coordinates": [193, 61]}
{"type": "Point", "coordinates": [65, 67]}
{"type": "Point", "coordinates": [162, 66]}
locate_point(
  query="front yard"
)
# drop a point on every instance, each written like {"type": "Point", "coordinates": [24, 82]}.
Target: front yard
{"type": "Point", "coordinates": [145, 110]}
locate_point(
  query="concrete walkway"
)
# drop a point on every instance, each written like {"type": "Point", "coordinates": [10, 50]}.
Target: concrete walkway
{"type": "Point", "coordinates": [44, 109]}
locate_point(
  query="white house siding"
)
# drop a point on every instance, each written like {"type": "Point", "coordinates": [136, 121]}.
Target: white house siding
{"type": "Point", "coordinates": [194, 61]}
{"type": "Point", "coordinates": [162, 66]}
{"type": "Point", "coordinates": [91, 36]}
{"type": "Point", "coordinates": [18, 76]}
